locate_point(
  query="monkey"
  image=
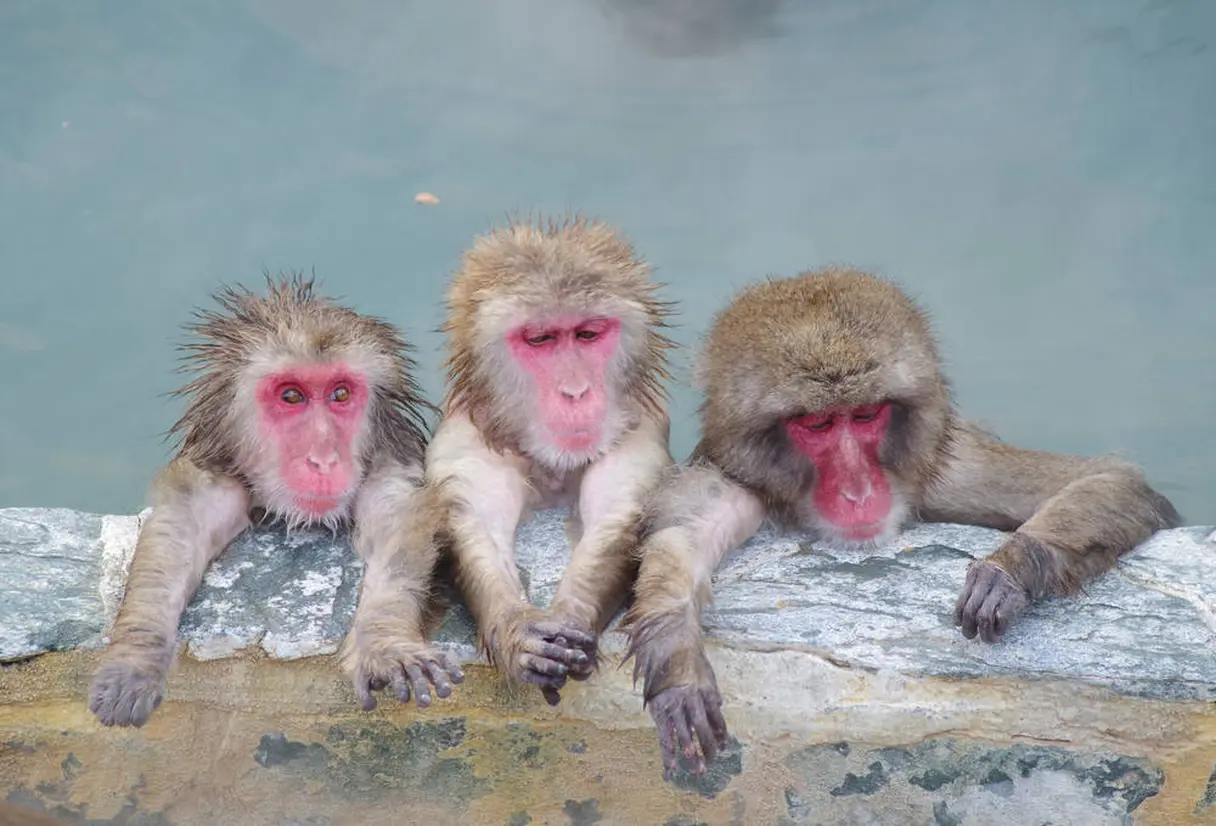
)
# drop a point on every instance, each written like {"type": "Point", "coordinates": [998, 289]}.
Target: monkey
{"type": "Point", "coordinates": [826, 410]}
{"type": "Point", "coordinates": [303, 411]}
{"type": "Point", "coordinates": [554, 398]}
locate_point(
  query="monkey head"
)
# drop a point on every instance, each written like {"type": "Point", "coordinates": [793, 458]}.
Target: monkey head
{"type": "Point", "coordinates": [824, 392]}
{"type": "Point", "coordinates": [553, 336]}
{"type": "Point", "coordinates": [293, 394]}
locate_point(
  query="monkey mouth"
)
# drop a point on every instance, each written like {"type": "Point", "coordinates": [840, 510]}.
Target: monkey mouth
{"type": "Point", "coordinates": [317, 505]}
{"type": "Point", "coordinates": [575, 439]}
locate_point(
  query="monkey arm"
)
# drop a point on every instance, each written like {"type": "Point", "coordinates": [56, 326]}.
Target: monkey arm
{"type": "Point", "coordinates": [196, 514]}
{"type": "Point", "coordinates": [603, 563]}
{"type": "Point", "coordinates": [394, 535]}
{"type": "Point", "coordinates": [697, 517]}
{"type": "Point", "coordinates": [1072, 519]}
{"type": "Point", "coordinates": [483, 495]}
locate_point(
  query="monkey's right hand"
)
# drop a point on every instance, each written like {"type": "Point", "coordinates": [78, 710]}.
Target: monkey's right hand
{"type": "Point", "coordinates": [544, 651]}
{"type": "Point", "coordinates": [410, 668]}
{"type": "Point", "coordinates": [125, 693]}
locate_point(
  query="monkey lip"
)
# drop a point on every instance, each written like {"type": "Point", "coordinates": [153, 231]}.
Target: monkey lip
{"type": "Point", "coordinates": [315, 504]}
{"type": "Point", "coordinates": [575, 439]}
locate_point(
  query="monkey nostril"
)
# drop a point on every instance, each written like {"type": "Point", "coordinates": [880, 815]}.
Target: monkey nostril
{"type": "Point", "coordinates": [323, 464]}
{"type": "Point", "coordinates": [575, 395]}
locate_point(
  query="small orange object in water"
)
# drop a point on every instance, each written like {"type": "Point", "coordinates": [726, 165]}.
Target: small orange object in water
{"type": "Point", "coordinates": [426, 198]}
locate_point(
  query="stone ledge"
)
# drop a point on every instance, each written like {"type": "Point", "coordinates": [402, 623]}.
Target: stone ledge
{"type": "Point", "coordinates": [850, 696]}
{"type": "Point", "coordinates": [1148, 629]}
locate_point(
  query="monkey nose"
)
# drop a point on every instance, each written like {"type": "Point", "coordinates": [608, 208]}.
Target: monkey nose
{"type": "Point", "coordinates": [323, 463]}
{"type": "Point", "coordinates": [575, 395]}
{"type": "Point", "coordinates": [856, 495]}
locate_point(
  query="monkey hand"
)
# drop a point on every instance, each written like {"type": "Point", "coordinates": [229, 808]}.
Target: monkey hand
{"type": "Point", "coordinates": [990, 601]}
{"type": "Point", "coordinates": [543, 650]}
{"type": "Point", "coordinates": [125, 693]}
{"type": "Point", "coordinates": [686, 714]}
{"type": "Point", "coordinates": [409, 667]}
{"type": "Point", "coordinates": [680, 690]}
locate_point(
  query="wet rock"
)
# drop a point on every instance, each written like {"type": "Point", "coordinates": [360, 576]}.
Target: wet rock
{"type": "Point", "coordinates": [1147, 629]}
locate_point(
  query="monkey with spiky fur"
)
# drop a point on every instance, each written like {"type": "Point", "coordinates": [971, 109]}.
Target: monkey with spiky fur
{"type": "Point", "coordinates": [554, 398]}
{"type": "Point", "coordinates": [826, 410]}
{"type": "Point", "coordinates": [305, 411]}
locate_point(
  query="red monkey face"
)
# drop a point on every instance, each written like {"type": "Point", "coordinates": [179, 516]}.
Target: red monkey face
{"type": "Point", "coordinates": [310, 417]}
{"type": "Point", "coordinates": [568, 361]}
{"type": "Point", "coordinates": [851, 491]}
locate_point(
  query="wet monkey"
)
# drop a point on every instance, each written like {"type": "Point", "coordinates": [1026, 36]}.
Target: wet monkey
{"type": "Point", "coordinates": [305, 411]}
{"type": "Point", "coordinates": [554, 398]}
{"type": "Point", "coordinates": [826, 410]}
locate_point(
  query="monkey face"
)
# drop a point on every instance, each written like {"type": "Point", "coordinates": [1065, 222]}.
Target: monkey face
{"type": "Point", "coordinates": [309, 416]}
{"type": "Point", "coordinates": [567, 361]}
{"type": "Point", "coordinates": [851, 492]}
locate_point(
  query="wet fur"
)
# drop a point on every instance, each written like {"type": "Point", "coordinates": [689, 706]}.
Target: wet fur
{"type": "Point", "coordinates": [222, 473]}
{"type": "Point", "coordinates": [491, 463]}
{"type": "Point", "coordinates": [790, 346]}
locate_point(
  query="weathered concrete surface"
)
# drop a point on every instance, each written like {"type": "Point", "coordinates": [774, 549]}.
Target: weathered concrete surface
{"type": "Point", "coordinates": [851, 697]}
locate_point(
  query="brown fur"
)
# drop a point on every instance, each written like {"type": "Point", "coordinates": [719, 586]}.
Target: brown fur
{"type": "Point", "coordinates": [838, 337]}
{"type": "Point", "coordinates": [248, 324]}
{"type": "Point", "coordinates": [204, 498]}
{"type": "Point", "coordinates": [491, 469]}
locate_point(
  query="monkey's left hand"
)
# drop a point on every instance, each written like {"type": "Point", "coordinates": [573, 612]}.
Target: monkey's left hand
{"type": "Point", "coordinates": [989, 602]}
{"type": "Point", "coordinates": [681, 692]}
{"type": "Point", "coordinates": [410, 668]}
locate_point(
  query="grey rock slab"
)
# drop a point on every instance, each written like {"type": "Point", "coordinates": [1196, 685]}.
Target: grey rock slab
{"type": "Point", "coordinates": [1144, 630]}
{"type": "Point", "coordinates": [1148, 629]}
{"type": "Point", "coordinates": [49, 569]}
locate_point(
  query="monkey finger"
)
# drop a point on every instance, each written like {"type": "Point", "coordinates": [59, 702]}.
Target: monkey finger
{"type": "Point", "coordinates": [439, 678]}
{"type": "Point", "coordinates": [363, 691]}
{"type": "Point", "coordinates": [551, 695]}
{"type": "Point", "coordinates": [714, 712]}
{"type": "Point", "coordinates": [455, 672]}
{"type": "Point", "coordinates": [401, 686]}
{"type": "Point", "coordinates": [422, 691]}
{"type": "Point", "coordinates": [543, 665]}
{"type": "Point", "coordinates": [553, 651]}
{"type": "Point", "coordinates": [549, 629]}
{"type": "Point", "coordinates": [527, 675]}
{"type": "Point", "coordinates": [668, 750]}
{"type": "Point", "coordinates": [699, 717]}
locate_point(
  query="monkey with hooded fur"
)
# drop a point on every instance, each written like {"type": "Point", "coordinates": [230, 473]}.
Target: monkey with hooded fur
{"type": "Point", "coordinates": [304, 411]}
{"type": "Point", "coordinates": [826, 410]}
{"type": "Point", "coordinates": [554, 399]}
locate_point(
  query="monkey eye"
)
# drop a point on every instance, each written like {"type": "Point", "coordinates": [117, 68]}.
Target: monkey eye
{"type": "Point", "coordinates": [539, 339]}
{"type": "Point", "coordinates": [340, 394]}
{"type": "Point", "coordinates": [868, 413]}
{"type": "Point", "coordinates": [292, 396]}
{"type": "Point", "coordinates": [587, 335]}
{"type": "Point", "coordinates": [816, 422]}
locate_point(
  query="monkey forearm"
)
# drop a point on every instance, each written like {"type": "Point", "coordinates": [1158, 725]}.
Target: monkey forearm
{"type": "Point", "coordinates": [196, 516]}
{"type": "Point", "coordinates": [596, 580]}
{"type": "Point", "coordinates": [1082, 531]}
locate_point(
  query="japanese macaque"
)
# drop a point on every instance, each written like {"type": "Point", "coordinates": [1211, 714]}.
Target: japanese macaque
{"type": "Point", "coordinates": [304, 411]}
{"type": "Point", "coordinates": [826, 411]}
{"type": "Point", "coordinates": [555, 398]}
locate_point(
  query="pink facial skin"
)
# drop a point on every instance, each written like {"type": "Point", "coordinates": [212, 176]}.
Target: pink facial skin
{"type": "Point", "coordinates": [567, 358]}
{"type": "Point", "coordinates": [851, 491]}
{"type": "Point", "coordinates": [310, 414]}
